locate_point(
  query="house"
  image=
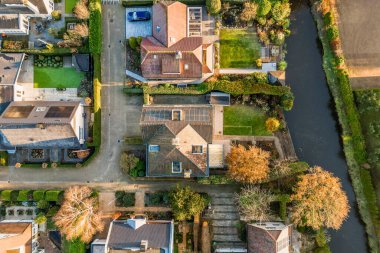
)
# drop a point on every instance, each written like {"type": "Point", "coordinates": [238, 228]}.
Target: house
{"type": "Point", "coordinates": [9, 72]}
{"type": "Point", "coordinates": [177, 139]}
{"type": "Point", "coordinates": [18, 236]}
{"type": "Point", "coordinates": [269, 237]}
{"type": "Point", "coordinates": [42, 124]}
{"type": "Point", "coordinates": [176, 49]}
{"type": "Point", "coordinates": [137, 235]}
{"type": "Point", "coordinates": [15, 14]}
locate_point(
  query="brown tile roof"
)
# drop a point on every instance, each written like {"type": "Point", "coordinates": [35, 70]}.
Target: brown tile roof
{"type": "Point", "coordinates": [170, 65]}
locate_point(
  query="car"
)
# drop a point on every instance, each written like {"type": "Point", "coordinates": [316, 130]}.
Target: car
{"type": "Point", "coordinates": [138, 16]}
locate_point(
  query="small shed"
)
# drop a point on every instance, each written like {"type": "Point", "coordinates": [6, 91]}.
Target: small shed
{"type": "Point", "coordinates": [219, 98]}
{"type": "Point", "coordinates": [81, 62]}
{"type": "Point", "coordinates": [276, 76]}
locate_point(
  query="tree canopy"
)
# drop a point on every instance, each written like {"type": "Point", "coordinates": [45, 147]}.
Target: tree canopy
{"type": "Point", "coordinates": [248, 165]}
{"type": "Point", "coordinates": [280, 11]}
{"type": "Point", "coordinates": [319, 201]}
{"type": "Point", "coordinates": [213, 6]}
{"type": "Point", "coordinates": [79, 216]}
{"type": "Point", "coordinates": [249, 11]}
{"type": "Point", "coordinates": [186, 203]}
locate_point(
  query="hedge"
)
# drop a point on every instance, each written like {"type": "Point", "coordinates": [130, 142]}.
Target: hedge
{"type": "Point", "coordinates": [24, 195]}
{"type": "Point", "coordinates": [9, 195]}
{"type": "Point", "coordinates": [353, 140]}
{"type": "Point", "coordinates": [95, 29]}
{"type": "Point", "coordinates": [216, 179]}
{"type": "Point", "coordinates": [53, 195]}
{"type": "Point", "coordinates": [38, 195]}
{"type": "Point", "coordinates": [96, 133]}
{"type": "Point", "coordinates": [55, 51]}
{"type": "Point", "coordinates": [3, 158]}
{"type": "Point", "coordinates": [283, 199]}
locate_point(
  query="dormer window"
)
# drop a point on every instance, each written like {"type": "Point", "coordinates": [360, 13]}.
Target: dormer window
{"type": "Point", "coordinates": [154, 148]}
{"type": "Point", "coordinates": [176, 115]}
{"type": "Point", "coordinates": [158, 28]}
{"type": "Point", "coordinates": [172, 39]}
{"type": "Point", "coordinates": [176, 167]}
{"type": "Point", "coordinates": [197, 149]}
{"type": "Point", "coordinates": [186, 66]}
{"type": "Point", "coordinates": [154, 56]}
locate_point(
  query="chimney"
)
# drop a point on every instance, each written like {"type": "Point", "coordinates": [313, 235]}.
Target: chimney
{"type": "Point", "coordinates": [144, 246]}
{"type": "Point", "coordinates": [178, 55]}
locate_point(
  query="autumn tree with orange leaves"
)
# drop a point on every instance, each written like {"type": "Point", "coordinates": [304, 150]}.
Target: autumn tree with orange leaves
{"type": "Point", "coordinates": [248, 165]}
{"type": "Point", "coordinates": [319, 200]}
{"type": "Point", "coordinates": [79, 216]}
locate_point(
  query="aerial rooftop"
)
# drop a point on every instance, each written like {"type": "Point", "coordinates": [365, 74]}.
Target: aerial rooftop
{"type": "Point", "coordinates": [10, 65]}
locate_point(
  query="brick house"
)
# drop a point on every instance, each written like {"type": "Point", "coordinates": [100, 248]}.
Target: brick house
{"type": "Point", "coordinates": [176, 49]}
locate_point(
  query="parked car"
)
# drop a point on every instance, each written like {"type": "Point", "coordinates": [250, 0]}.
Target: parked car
{"type": "Point", "coordinates": [138, 16]}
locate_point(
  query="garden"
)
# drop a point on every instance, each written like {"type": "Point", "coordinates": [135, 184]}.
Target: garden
{"type": "Point", "coordinates": [239, 48]}
{"type": "Point", "coordinates": [133, 54]}
{"type": "Point", "coordinates": [49, 72]}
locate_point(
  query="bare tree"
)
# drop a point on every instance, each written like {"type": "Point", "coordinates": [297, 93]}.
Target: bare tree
{"type": "Point", "coordinates": [254, 203]}
{"type": "Point", "coordinates": [79, 216]}
{"type": "Point", "coordinates": [80, 30]}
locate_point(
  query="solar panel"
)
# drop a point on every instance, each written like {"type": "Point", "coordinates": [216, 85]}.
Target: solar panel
{"type": "Point", "coordinates": [18, 112]}
{"type": "Point", "coordinates": [59, 112]}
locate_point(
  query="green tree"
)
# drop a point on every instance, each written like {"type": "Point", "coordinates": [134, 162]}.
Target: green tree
{"type": "Point", "coordinates": [186, 203]}
{"type": "Point", "coordinates": [40, 219]}
{"type": "Point", "coordinates": [280, 11]}
{"type": "Point", "coordinates": [249, 11]}
{"type": "Point", "coordinates": [43, 204]}
{"type": "Point", "coordinates": [264, 8]}
{"type": "Point", "coordinates": [213, 6]}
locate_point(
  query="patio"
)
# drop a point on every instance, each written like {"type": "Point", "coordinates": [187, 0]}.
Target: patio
{"type": "Point", "coordinates": [137, 28]}
{"type": "Point", "coordinates": [39, 30]}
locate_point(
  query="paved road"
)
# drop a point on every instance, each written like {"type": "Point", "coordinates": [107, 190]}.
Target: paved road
{"type": "Point", "coordinates": [120, 116]}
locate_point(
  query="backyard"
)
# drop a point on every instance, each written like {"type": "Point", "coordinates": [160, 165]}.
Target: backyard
{"type": "Point", "coordinates": [239, 48]}
{"type": "Point", "coordinates": [45, 77]}
{"type": "Point", "coordinates": [244, 120]}
{"type": "Point", "coordinates": [69, 5]}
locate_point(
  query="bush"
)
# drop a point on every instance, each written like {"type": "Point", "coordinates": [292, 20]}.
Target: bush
{"type": "Point", "coordinates": [215, 179]}
{"type": "Point", "coordinates": [138, 170]}
{"type": "Point", "coordinates": [332, 33]}
{"type": "Point", "coordinates": [125, 199]}
{"type": "Point", "coordinates": [282, 65]}
{"type": "Point", "coordinates": [38, 195]}
{"type": "Point", "coordinates": [40, 219]}
{"type": "Point", "coordinates": [3, 158]}
{"type": "Point", "coordinates": [52, 211]}
{"type": "Point", "coordinates": [95, 29]}
{"type": "Point", "coordinates": [128, 162]}
{"type": "Point", "coordinates": [213, 6]}
{"type": "Point", "coordinates": [132, 42]}
{"type": "Point", "coordinates": [54, 195]}
{"type": "Point", "coordinates": [43, 204]}
{"type": "Point", "coordinates": [9, 195]}
{"type": "Point", "coordinates": [264, 8]}
{"type": "Point", "coordinates": [56, 15]}
{"type": "Point", "coordinates": [272, 124]}
{"type": "Point", "coordinates": [158, 199]}
{"type": "Point", "coordinates": [24, 195]}
{"type": "Point", "coordinates": [287, 101]}
{"type": "Point", "coordinates": [328, 19]}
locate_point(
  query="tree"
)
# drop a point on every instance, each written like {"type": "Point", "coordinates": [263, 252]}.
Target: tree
{"type": "Point", "coordinates": [79, 216]}
{"type": "Point", "coordinates": [249, 12]}
{"type": "Point", "coordinates": [56, 15]}
{"type": "Point", "coordinates": [272, 124]}
{"type": "Point", "coordinates": [213, 6]}
{"type": "Point", "coordinates": [264, 8]}
{"type": "Point", "coordinates": [280, 11]}
{"type": "Point", "coordinates": [128, 162]}
{"type": "Point", "coordinates": [81, 10]}
{"type": "Point", "coordinates": [319, 200]}
{"type": "Point", "coordinates": [186, 203]}
{"type": "Point", "coordinates": [248, 165]}
{"type": "Point", "coordinates": [254, 203]}
{"type": "Point", "coordinates": [80, 30]}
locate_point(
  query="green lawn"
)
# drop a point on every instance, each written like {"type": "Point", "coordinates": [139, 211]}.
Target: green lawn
{"type": "Point", "coordinates": [244, 120]}
{"type": "Point", "coordinates": [69, 5]}
{"type": "Point", "coordinates": [57, 77]}
{"type": "Point", "coordinates": [239, 48]}
{"type": "Point", "coordinates": [75, 246]}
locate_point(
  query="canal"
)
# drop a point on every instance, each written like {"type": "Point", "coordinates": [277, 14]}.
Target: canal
{"type": "Point", "coordinates": [313, 122]}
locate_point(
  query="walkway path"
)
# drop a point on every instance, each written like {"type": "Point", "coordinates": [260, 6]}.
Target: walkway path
{"type": "Point", "coordinates": [265, 68]}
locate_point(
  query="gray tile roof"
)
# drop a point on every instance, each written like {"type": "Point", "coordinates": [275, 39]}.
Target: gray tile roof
{"type": "Point", "coordinates": [9, 21]}
{"type": "Point", "coordinates": [123, 236]}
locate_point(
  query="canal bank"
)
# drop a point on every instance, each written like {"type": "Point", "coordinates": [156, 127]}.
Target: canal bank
{"type": "Point", "coordinates": [312, 122]}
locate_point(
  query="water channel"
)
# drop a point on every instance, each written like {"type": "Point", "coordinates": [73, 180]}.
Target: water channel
{"type": "Point", "coordinates": [313, 122]}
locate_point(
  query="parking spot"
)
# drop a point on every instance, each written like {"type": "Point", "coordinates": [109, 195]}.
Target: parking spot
{"type": "Point", "coordinates": [138, 28]}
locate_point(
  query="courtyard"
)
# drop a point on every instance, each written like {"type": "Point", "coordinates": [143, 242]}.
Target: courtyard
{"type": "Point", "coordinates": [244, 120]}
{"type": "Point", "coordinates": [239, 48]}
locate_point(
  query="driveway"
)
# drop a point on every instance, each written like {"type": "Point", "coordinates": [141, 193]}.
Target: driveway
{"type": "Point", "coordinates": [139, 28]}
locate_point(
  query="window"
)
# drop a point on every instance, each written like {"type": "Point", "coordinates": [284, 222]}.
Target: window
{"type": "Point", "coordinates": [283, 243]}
{"type": "Point", "coordinates": [176, 167]}
{"type": "Point", "coordinates": [197, 149]}
{"type": "Point", "coordinates": [176, 115]}
{"type": "Point", "coordinates": [154, 148]}
{"type": "Point", "coordinates": [172, 39]}
{"type": "Point", "coordinates": [154, 56]}
{"type": "Point", "coordinates": [186, 66]}
{"type": "Point", "coordinates": [158, 28]}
